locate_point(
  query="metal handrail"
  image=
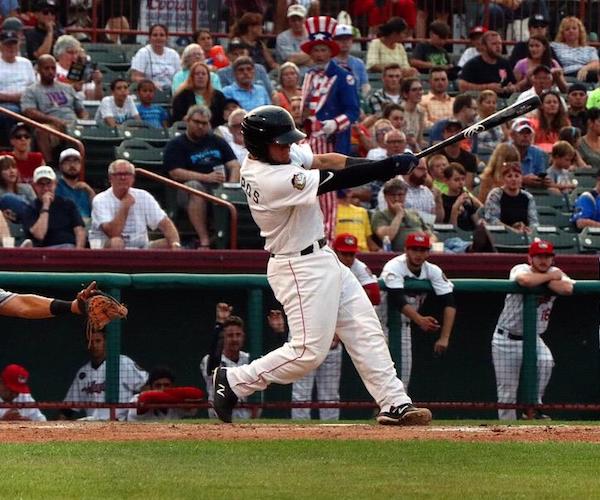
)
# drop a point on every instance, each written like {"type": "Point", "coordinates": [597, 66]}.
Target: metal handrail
{"type": "Point", "coordinates": [233, 215]}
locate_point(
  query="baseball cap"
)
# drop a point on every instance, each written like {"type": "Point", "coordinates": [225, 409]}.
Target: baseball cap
{"type": "Point", "coordinates": [69, 153]}
{"type": "Point", "coordinates": [477, 30]}
{"type": "Point", "coordinates": [537, 20]}
{"type": "Point", "coordinates": [521, 124]}
{"type": "Point", "coordinates": [296, 10]}
{"type": "Point", "coordinates": [42, 4]}
{"type": "Point", "coordinates": [43, 172]}
{"type": "Point", "coordinates": [417, 240]}
{"type": "Point", "coordinates": [577, 86]}
{"type": "Point", "coordinates": [541, 68]}
{"type": "Point", "coordinates": [19, 126]}
{"type": "Point", "coordinates": [15, 377]}
{"type": "Point", "coordinates": [345, 242]}
{"type": "Point", "coordinates": [9, 36]}
{"type": "Point", "coordinates": [541, 247]}
{"type": "Point", "coordinates": [343, 30]}
{"type": "Point", "coordinates": [453, 123]}
{"type": "Point", "coordinates": [12, 24]}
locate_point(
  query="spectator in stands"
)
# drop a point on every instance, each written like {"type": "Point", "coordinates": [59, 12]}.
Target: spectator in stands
{"type": "Point", "coordinates": [154, 115]}
{"type": "Point", "coordinates": [68, 51]}
{"type": "Point", "coordinates": [289, 85]}
{"type": "Point", "coordinates": [593, 99]}
{"type": "Point", "coordinates": [118, 107]}
{"type": "Point", "coordinates": [420, 198]}
{"type": "Point", "coordinates": [16, 197]}
{"type": "Point", "coordinates": [199, 159]}
{"type": "Point", "coordinates": [355, 220]}
{"type": "Point", "coordinates": [387, 48]}
{"type": "Point", "coordinates": [488, 70]}
{"type": "Point", "coordinates": [475, 36]}
{"type": "Point", "coordinates": [344, 36]}
{"type": "Point", "coordinates": [380, 129]}
{"type": "Point", "coordinates": [71, 186]}
{"type": "Point", "coordinates": [460, 206]}
{"type": "Point", "coordinates": [223, 130]}
{"type": "Point", "coordinates": [432, 54]}
{"type": "Point", "coordinates": [156, 61]}
{"type": "Point", "coordinates": [27, 160]}
{"type": "Point", "coordinates": [456, 153]}
{"type": "Point", "coordinates": [226, 350]}
{"type": "Point", "coordinates": [487, 104]}
{"type": "Point", "coordinates": [586, 212]}
{"type": "Point", "coordinates": [539, 53]}
{"type": "Point", "coordinates": [122, 214]}
{"type": "Point", "coordinates": [533, 160]}
{"type": "Point", "coordinates": [243, 90]}
{"type": "Point", "coordinates": [215, 57]}
{"type": "Point", "coordinates": [236, 49]}
{"type": "Point", "coordinates": [51, 103]}
{"type": "Point", "coordinates": [510, 205]}
{"type": "Point", "coordinates": [287, 44]}
{"type": "Point", "coordinates": [464, 110]}
{"type": "Point", "coordinates": [491, 177]}
{"type": "Point", "coordinates": [549, 119]}
{"type": "Point", "coordinates": [198, 89]}
{"type": "Point", "coordinates": [9, 8]}
{"type": "Point", "coordinates": [391, 77]}
{"type": "Point", "coordinates": [574, 55]}
{"type": "Point", "coordinates": [436, 164]}
{"type": "Point", "coordinates": [14, 389]}
{"type": "Point", "coordinates": [541, 81]}
{"type": "Point", "coordinates": [378, 12]}
{"type": "Point", "coordinates": [234, 123]}
{"type": "Point", "coordinates": [53, 221]}
{"type": "Point", "coordinates": [192, 54]}
{"type": "Point", "coordinates": [590, 142]}
{"type": "Point", "coordinates": [437, 103]}
{"type": "Point", "coordinates": [249, 29]}
{"type": "Point", "coordinates": [395, 114]}
{"type": "Point", "coordinates": [396, 221]}
{"type": "Point", "coordinates": [40, 40]}
{"type": "Point", "coordinates": [576, 101]}
{"type": "Point", "coordinates": [538, 27]}
{"type": "Point", "coordinates": [411, 91]}
{"type": "Point", "coordinates": [572, 135]}
{"type": "Point", "coordinates": [89, 384]}
{"type": "Point", "coordinates": [16, 74]}
{"type": "Point", "coordinates": [563, 161]}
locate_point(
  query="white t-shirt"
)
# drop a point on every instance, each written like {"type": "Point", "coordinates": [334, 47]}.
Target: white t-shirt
{"type": "Point", "coordinates": [363, 273]}
{"type": "Point", "coordinates": [377, 154]}
{"type": "Point", "coordinates": [108, 108]}
{"type": "Point", "coordinates": [158, 68]}
{"type": "Point", "coordinates": [239, 150]}
{"type": "Point", "coordinates": [144, 213]}
{"type": "Point", "coordinates": [33, 414]}
{"type": "Point", "coordinates": [16, 76]}
{"type": "Point", "coordinates": [284, 204]}
{"type": "Point", "coordinates": [89, 385]}
{"type": "Point", "coordinates": [511, 317]}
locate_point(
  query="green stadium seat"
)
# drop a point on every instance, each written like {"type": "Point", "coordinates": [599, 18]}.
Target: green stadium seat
{"type": "Point", "coordinates": [248, 232]}
{"type": "Point", "coordinates": [586, 178]}
{"type": "Point", "coordinates": [507, 241]}
{"type": "Point", "coordinates": [549, 216]}
{"type": "Point", "coordinates": [589, 240]}
{"type": "Point", "coordinates": [564, 242]}
{"type": "Point", "coordinates": [446, 231]}
{"type": "Point", "coordinates": [544, 198]}
{"type": "Point", "coordinates": [133, 129]}
{"type": "Point", "coordinates": [141, 154]}
{"type": "Point", "coordinates": [177, 128]}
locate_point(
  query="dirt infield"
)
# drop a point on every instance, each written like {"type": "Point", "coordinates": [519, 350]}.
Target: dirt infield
{"type": "Point", "coordinates": [32, 432]}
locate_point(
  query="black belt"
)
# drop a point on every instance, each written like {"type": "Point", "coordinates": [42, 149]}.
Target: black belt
{"type": "Point", "coordinates": [308, 250]}
{"type": "Point", "coordinates": [509, 335]}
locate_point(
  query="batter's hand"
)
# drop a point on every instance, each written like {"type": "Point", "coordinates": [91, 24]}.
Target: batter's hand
{"type": "Point", "coordinates": [428, 324]}
{"type": "Point", "coordinates": [403, 164]}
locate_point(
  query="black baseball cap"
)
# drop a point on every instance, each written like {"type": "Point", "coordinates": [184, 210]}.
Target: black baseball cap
{"type": "Point", "coordinates": [577, 86]}
{"type": "Point", "coordinates": [45, 4]}
{"type": "Point", "coordinates": [538, 21]}
{"type": "Point", "coordinates": [9, 36]}
{"type": "Point", "coordinates": [453, 123]}
{"type": "Point", "coordinates": [19, 126]}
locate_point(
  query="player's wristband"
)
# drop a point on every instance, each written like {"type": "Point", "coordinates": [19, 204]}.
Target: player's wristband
{"type": "Point", "coordinates": [44, 211]}
{"type": "Point", "coordinates": [60, 307]}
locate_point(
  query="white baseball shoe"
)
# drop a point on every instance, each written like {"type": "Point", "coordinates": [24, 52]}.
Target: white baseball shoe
{"type": "Point", "coordinates": [406, 414]}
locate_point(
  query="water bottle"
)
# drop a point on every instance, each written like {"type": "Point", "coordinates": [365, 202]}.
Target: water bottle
{"type": "Point", "coordinates": [387, 244]}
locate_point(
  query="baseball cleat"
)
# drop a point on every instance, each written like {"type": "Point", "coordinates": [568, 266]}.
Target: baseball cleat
{"type": "Point", "coordinates": [406, 414]}
{"type": "Point", "coordinates": [224, 399]}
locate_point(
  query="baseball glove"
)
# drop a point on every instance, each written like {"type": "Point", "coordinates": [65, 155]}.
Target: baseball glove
{"type": "Point", "coordinates": [99, 308]}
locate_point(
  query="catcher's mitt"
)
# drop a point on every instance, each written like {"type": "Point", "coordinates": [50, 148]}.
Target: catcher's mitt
{"type": "Point", "coordinates": [100, 309]}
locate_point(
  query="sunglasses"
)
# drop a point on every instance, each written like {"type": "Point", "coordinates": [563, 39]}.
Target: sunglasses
{"type": "Point", "coordinates": [22, 136]}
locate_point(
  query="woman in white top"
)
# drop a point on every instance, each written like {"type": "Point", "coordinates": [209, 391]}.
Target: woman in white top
{"type": "Point", "coordinates": [156, 61]}
{"type": "Point", "coordinates": [575, 56]}
{"type": "Point", "coordinates": [118, 107]}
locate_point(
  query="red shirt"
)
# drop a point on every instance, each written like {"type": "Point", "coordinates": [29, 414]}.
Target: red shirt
{"type": "Point", "coordinates": [26, 167]}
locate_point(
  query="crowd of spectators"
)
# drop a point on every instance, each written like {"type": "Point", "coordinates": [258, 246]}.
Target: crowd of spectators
{"type": "Point", "coordinates": [410, 95]}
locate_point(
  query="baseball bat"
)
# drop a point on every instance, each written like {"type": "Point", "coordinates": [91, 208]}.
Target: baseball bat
{"type": "Point", "coordinates": [499, 117]}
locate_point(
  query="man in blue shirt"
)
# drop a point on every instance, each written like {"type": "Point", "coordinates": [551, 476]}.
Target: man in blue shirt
{"type": "Point", "coordinates": [70, 186]}
{"type": "Point", "coordinates": [344, 37]}
{"type": "Point", "coordinates": [587, 207]}
{"type": "Point", "coordinates": [533, 160]}
{"type": "Point", "coordinates": [235, 50]}
{"type": "Point", "coordinates": [243, 90]}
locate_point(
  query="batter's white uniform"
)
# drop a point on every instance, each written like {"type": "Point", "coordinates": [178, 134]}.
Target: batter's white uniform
{"type": "Point", "coordinates": [507, 352]}
{"type": "Point", "coordinates": [244, 359]}
{"type": "Point", "coordinates": [319, 294]}
{"type": "Point", "coordinates": [89, 385]}
{"type": "Point", "coordinates": [33, 414]}
{"type": "Point", "coordinates": [393, 274]}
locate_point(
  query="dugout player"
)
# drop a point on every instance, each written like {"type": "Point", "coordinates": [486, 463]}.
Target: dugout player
{"type": "Point", "coordinates": [413, 264]}
{"type": "Point", "coordinates": [507, 342]}
{"type": "Point", "coordinates": [320, 296]}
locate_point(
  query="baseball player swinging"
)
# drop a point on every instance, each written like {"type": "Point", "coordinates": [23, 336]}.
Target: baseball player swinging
{"type": "Point", "coordinates": [507, 342]}
{"type": "Point", "coordinates": [319, 294]}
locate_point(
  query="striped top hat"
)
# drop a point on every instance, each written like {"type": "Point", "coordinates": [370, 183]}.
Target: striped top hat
{"type": "Point", "coordinates": [320, 32]}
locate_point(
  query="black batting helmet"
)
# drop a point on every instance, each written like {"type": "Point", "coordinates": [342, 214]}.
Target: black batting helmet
{"type": "Point", "coordinates": [268, 125]}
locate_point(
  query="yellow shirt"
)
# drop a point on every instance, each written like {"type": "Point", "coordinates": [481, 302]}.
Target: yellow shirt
{"type": "Point", "coordinates": [378, 53]}
{"type": "Point", "coordinates": [354, 220]}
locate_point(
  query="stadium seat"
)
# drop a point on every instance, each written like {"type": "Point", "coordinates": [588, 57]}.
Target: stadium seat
{"type": "Point", "coordinates": [109, 75]}
{"type": "Point", "coordinates": [177, 128]}
{"type": "Point", "coordinates": [446, 231]}
{"type": "Point", "coordinates": [248, 232]}
{"type": "Point", "coordinates": [141, 154]}
{"type": "Point", "coordinates": [544, 198]}
{"type": "Point", "coordinates": [507, 241]}
{"type": "Point", "coordinates": [549, 216]}
{"type": "Point", "coordinates": [564, 242]}
{"type": "Point", "coordinates": [133, 129]}
{"type": "Point", "coordinates": [586, 178]}
{"type": "Point", "coordinates": [589, 240]}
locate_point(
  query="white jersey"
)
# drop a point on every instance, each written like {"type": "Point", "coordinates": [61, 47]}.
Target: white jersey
{"type": "Point", "coordinates": [301, 155]}
{"type": "Point", "coordinates": [284, 205]}
{"type": "Point", "coordinates": [396, 270]}
{"type": "Point", "coordinates": [157, 413]}
{"type": "Point", "coordinates": [363, 273]}
{"type": "Point", "coordinates": [33, 414]}
{"type": "Point", "coordinates": [511, 317]}
{"type": "Point", "coordinates": [89, 385]}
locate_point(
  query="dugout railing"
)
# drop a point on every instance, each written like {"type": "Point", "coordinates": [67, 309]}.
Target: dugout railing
{"type": "Point", "coordinates": [172, 315]}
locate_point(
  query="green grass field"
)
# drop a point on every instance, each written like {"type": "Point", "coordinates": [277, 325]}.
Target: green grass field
{"type": "Point", "coordinates": [299, 469]}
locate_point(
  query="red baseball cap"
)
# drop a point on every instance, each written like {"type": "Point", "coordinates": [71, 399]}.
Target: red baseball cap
{"type": "Point", "coordinates": [541, 247]}
{"type": "Point", "coordinates": [15, 378]}
{"type": "Point", "coordinates": [417, 240]}
{"type": "Point", "coordinates": [346, 242]}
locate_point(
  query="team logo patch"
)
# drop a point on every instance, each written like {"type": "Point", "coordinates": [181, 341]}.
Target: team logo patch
{"type": "Point", "coordinates": [350, 80]}
{"type": "Point", "coordinates": [299, 181]}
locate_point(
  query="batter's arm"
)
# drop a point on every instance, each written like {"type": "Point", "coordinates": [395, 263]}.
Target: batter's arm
{"type": "Point", "coordinates": [330, 161]}
{"type": "Point", "coordinates": [31, 307]}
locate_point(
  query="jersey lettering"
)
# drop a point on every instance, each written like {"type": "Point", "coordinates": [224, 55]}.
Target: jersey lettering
{"type": "Point", "coordinates": [251, 194]}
